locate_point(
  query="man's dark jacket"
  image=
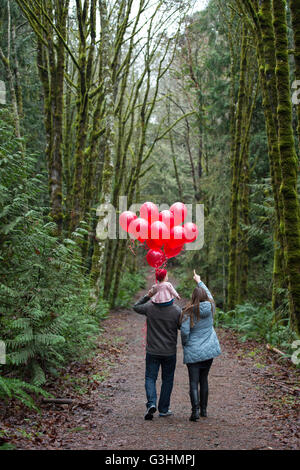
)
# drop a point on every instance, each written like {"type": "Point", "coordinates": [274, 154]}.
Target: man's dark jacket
{"type": "Point", "coordinates": [162, 326]}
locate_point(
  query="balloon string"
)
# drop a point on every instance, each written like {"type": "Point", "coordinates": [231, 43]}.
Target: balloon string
{"type": "Point", "coordinates": [131, 246]}
{"type": "Point", "coordinates": [164, 265]}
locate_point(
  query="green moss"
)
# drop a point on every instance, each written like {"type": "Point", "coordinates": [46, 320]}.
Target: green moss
{"type": "Point", "coordinates": [295, 13]}
{"type": "Point", "coordinates": [235, 181]}
{"type": "Point", "coordinates": [288, 160]}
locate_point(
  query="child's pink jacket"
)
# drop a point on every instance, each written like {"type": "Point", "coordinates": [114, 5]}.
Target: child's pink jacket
{"type": "Point", "coordinates": [163, 292]}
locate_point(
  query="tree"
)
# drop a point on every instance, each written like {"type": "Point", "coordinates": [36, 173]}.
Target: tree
{"type": "Point", "coordinates": [48, 20]}
{"type": "Point", "coordinates": [288, 160]}
{"type": "Point", "coordinates": [14, 82]}
{"type": "Point", "coordinates": [295, 12]}
{"type": "Point", "coordinates": [269, 23]}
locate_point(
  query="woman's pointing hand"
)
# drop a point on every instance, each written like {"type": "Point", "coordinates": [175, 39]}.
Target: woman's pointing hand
{"type": "Point", "coordinates": [197, 277]}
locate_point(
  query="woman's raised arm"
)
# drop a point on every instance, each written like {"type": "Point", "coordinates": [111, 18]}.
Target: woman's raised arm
{"type": "Point", "coordinates": [201, 284]}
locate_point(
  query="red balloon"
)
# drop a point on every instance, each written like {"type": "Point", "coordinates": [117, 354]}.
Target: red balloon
{"type": "Point", "coordinates": [168, 218]}
{"type": "Point", "coordinates": [191, 232]}
{"type": "Point", "coordinates": [177, 237]}
{"type": "Point", "coordinates": [152, 244]}
{"type": "Point", "coordinates": [180, 212]}
{"type": "Point", "coordinates": [139, 228]}
{"type": "Point", "coordinates": [149, 212]}
{"type": "Point", "coordinates": [155, 258]}
{"type": "Point", "coordinates": [159, 233]}
{"type": "Point", "coordinates": [126, 218]}
{"type": "Point", "coordinates": [172, 252]}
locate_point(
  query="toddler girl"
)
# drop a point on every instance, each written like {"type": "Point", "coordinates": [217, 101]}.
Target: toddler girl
{"type": "Point", "coordinates": [163, 291]}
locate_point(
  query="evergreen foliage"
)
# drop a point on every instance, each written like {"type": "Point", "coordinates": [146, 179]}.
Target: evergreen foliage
{"type": "Point", "coordinates": [255, 321]}
{"type": "Point", "coordinates": [96, 109]}
{"type": "Point", "coordinates": [46, 319]}
{"type": "Point", "coordinates": [129, 285]}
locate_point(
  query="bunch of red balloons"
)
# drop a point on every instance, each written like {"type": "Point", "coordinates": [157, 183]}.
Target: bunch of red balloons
{"type": "Point", "coordinates": [162, 232]}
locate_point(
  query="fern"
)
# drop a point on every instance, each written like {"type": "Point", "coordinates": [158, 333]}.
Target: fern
{"type": "Point", "coordinates": [257, 322]}
{"type": "Point", "coordinates": [45, 318]}
{"type": "Point", "coordinates": [22, 391]}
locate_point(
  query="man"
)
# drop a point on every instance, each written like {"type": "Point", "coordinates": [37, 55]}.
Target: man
{"type": "Point", "coordinates": [163, 323]}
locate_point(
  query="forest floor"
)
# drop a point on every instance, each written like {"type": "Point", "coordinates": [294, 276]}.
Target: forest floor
{"type": "Point", "coordinates": [252, 403]}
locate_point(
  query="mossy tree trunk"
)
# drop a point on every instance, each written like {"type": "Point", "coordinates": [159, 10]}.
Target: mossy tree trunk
{"type": "Point", "coordinates": [241, 114]}
{"type": "Point", "coordinates": [68, 143]}
{"type": "Point", "coordinates": [108, 143]}
{"type": "Point", "coordinates": [266, 53]}
{"type": "Point", "coordinates": [295, 12]}
{"type": "Point", "coordinates": [124, 119]}
{"type": "Point", "coordinates": [234, 69]}
{"type": "Point", "coordinates": [244, 187]}
{"type": "Point", "coordinates": [16, 70]}
{"type": "Point", "coordinates": [86, 20]}
{"type": "Point", "coordinates": [260, 16]}
{"type": "Point", "coordinates": [235, 177]}
{"type": "Point", "coordinates": [15, 94]}
{"type": "Point", "coordinates": [288, 160]}
{"type": "Point", "coordinates": [48, 20]}
{"type": "Point", "coordinates": [57, 71]}
{"type": "Point", "coordinates": [243, 249]}
{"type": "Point", "coordinates": [173, 155]}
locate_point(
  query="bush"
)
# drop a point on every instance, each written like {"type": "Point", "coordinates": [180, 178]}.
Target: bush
{"type": "Point", "coordinates": [257, 322]}
{"type": "Point", "coordinates": [45, 317]}
{"type": "Point", "coordinates": [129, 285]}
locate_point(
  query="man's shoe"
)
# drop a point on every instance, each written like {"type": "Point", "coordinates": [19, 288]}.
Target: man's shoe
{"type": "Point", "coordinates": [168, 413]}
{"type": "Point", "coordinates": [150, 412]}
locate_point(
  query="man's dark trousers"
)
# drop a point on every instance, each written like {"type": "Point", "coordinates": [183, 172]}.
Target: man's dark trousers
{"type": "Point", "coordinates": [168, 365]}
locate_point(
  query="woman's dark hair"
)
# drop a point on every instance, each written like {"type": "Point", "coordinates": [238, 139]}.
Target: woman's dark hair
{"type": "Point", "coordinates": [193, 308]}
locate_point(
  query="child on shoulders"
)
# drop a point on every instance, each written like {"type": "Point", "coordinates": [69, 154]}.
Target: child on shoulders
{"type": "Point", "coordinates": [163, 291]}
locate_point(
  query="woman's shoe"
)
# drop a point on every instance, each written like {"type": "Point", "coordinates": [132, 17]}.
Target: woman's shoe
{"type": "Point", "coordinates": [195, 415]}
{"type": "Point", "coordinates": [194, 396]}
{"type": "Point", "coordinates": [203, 413]}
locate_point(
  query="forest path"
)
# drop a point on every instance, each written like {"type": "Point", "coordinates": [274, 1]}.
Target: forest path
{"type": "Point", "coordinates": [239, 416]}
{"type": "Point", "coordinates": [247, 407]}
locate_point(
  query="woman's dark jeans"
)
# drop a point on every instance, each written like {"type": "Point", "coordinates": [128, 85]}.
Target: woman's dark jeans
{"type": "Point", "coordinates": [153, 363]}
{"type": "Point", "coordinates": [198, 374]}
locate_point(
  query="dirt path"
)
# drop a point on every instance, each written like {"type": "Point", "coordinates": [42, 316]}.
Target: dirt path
{"type": "Point", "coordinates": [238, 415]}
{"type": "Point", "coordinates": [247, 408]}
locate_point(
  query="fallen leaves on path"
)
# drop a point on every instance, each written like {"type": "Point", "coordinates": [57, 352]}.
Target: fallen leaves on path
{"type": "Point", "coordinates": [254, 400]}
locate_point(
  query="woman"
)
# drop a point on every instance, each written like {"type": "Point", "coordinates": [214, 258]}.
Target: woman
{"type": "Point", "coordinates": [200, 344]}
